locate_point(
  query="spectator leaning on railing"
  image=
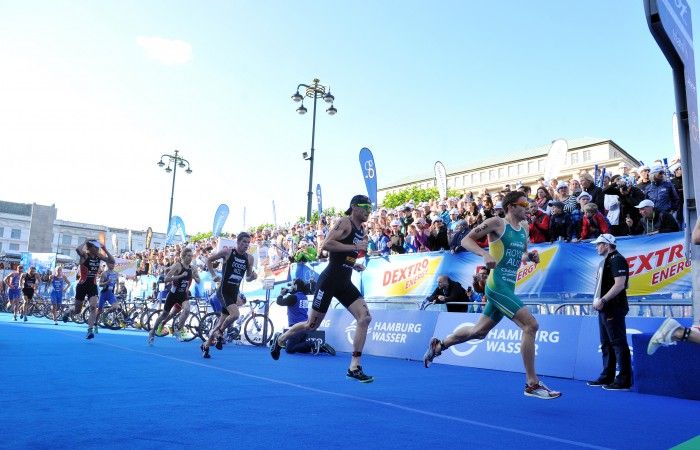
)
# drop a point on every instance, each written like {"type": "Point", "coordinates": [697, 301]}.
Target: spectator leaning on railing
{"type": "Point", "coordinates": [449, 291]}
{"type": "Point", "coordinates": [652, 221]}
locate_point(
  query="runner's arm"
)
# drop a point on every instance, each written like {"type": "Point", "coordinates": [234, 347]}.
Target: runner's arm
{"type": "Point", "coordinates": [250, 273]}
{"type": "Point", "coordinates": [478, 233]}
{"type": "Point", "coordinates": [332, 242]}
{"type": "Point", "coordinates": [224, 253]}
{"type": "Point", "coordinates": [67, 284]}
{"type": "Point", "coordinates": [175, 273]}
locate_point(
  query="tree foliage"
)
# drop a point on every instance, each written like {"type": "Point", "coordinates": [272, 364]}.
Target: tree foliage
{"type": "Point", "coordinates": [328, 212]}
{"type": "Point", "coordinates": [392, 200]}
{"type": "Point", "coordinates": [201, 236]}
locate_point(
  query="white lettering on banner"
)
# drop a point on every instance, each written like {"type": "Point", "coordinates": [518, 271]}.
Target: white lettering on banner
{"type": "Point", "coordinates": [325, 323]}
{"type": "Point", "coordinates": [390, 332]}
{"type": "Point", "coordinates": [503, 340]}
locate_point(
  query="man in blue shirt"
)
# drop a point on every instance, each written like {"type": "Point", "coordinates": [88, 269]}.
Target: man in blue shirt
{"type": "Point", "coordinates": [294, 298]}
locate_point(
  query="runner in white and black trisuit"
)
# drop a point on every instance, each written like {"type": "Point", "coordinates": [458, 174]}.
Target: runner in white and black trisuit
{"type": "Point", "coordinates": [28, 282]}
{"type": "Point", "coordinates": [344, 242]}
{"type": "Point", "coordinates": [180, 276]}
{"type": "Point", "coordinates": [90, 258]}
{"type": "Point", "coordinates": [237, 264]}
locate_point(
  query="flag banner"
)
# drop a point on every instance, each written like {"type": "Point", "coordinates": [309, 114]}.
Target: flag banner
{"type": "Point", "coordinates": [441, 179]}
{"type": "Point", "coordinates": [369, 173]}
{"type": "Point", "coordinates": [149, 237]}
{"type": "Point", "coordinates": [115, 243]}
{"type": "Point", "coordinates": [219, 219]}
{"type": "Point", "coordinates": [129, 241]}
{"type": "Point", "coordinates": [556, 158]}
{"type": "Point", "coordinates": [41, 261]}
{"type": "Point", "coordinates": [172, 229]}
{"type": "Point", "coordinates": [180, 227]}
{"type": "Point", "coordinates": [319, 200]}
{"type": "Point", "coordinates": [274, 214]}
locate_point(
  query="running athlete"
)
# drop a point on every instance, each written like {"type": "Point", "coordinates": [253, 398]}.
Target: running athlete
{"type": "Point", "coordinates": [28, 282]}
{"type": "Point", "coordinates": [237, 263]}
{"type": "Point", "coordinates": [508, 239]}
{"type": "Point", "coordinates": [180, 276]}
{"type": "Point", "coordinates": [59, 286]}
{"type": "Point", "coordinates": [344, 242]}
{"type": "Point", "coordinates": [90, 258]}
{"type": "Point", "coordinates": [108, 282]}
{"type": "Point", "coordinates": [13, 292]}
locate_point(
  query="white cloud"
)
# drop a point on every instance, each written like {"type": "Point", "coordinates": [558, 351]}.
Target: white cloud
{"type": "Point", "coordinates": [166, 51]}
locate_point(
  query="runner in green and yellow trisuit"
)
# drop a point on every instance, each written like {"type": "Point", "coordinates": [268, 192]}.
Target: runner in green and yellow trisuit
{"type": "Point", "coordinates": [508, 240]}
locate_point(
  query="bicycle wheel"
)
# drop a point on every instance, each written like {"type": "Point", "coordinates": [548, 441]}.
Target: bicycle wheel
{"type": "Point", "coordinates": [152, 320]}
{"type": "Point", "coordinates": [206, 324]}
{"type": "Point", "coordinates": [191, 327]}
{"type": "Point", "coordinates": [254, 327]}
{"type": "Point", "coordinates": [112, 320]}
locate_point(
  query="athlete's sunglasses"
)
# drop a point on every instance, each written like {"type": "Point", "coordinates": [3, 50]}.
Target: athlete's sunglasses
{"type": "Point", "coordinates": [365, 206]}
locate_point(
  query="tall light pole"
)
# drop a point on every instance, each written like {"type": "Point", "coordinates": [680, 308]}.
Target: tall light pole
{"type": "Point", "coordinates": [176, 160]}
{"type": "Point", "coordinates": [315, 90]}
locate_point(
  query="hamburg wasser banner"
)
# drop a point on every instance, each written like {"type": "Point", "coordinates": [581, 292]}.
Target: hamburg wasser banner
{"type": "Point", "coordinates": [657, 263]}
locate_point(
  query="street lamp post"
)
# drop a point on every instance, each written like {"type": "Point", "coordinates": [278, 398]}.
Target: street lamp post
{"type": "Point", "coordinates": [176, 161]}
{"type": "Point", "coordinates": [315, 90]}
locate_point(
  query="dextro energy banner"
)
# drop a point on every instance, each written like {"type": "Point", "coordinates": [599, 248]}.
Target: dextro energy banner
{"type": "Point", "coordinates": [409, 275]}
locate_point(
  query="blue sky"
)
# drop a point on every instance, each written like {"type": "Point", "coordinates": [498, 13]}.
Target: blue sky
{"type": "Point", "coordinates": [91, 97]}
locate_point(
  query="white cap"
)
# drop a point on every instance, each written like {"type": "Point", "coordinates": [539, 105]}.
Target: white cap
{"type": "Point", "coordinates": [605, 238]}
{"type": "Point", "coordinates": [395, 223]}
{"type": "Point", "coordinates": [562, 184]}
{"type": "Point", "coordinates": [498, 205]}
{"type": "Point", "coordinates": [643, 168]}
{"type": "Point", "coordinates": [657, 169]}
{"type": "Point", "coordinates": [454, 211]}
{"type": "Point", "coordinates": [645, 204]}
{"type": "Point", "coordinates": [584, 194]}
{"type": "Point", "coordinates": [436, 218]}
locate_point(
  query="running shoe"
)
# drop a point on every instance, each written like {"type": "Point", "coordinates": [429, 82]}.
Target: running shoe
{"type": "Point", "coordinates": [434, 350]}
{"type": "Point", "coordinates": [326, 348]}
{"type": "Point", "coordinates": [597, 383]}
{"type": "Point", "coordinates": [205, 351]}
{"type": "Point", "coordinates": [663, 336]}
{"type": "Point", "coordinates": [359, 375]}
{"type": "Point", "coordinates": [219, 342]}
{"type": "Point", "coordinates": [90, 334]}
{"type": "Point", "coordinates": [275, 347]}
{"type": "Point", "coordinates": [151, 339]}
{"type": "Point", "coordinates": [15, 318]}
{"type": "Point", "coordinates": [182, 335]}
{"type": "Point", "coordinates": [25, 318]}
{"type": "Point", "coordinates": [541, 391]}
{"type": "Point", "coordinates": [65, 318]}
{"type": "Point", "coordinates": [55, 323]}
{"type": "Point", "coordinates": [159, 330]}
{"type": "Point", "coordinates": [315, 346]}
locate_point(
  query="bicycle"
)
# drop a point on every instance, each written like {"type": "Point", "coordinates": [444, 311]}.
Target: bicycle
{"type": "Point", "coordinates": [252, 323]}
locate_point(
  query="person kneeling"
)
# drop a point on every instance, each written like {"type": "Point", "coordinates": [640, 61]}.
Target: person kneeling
{"type": "Point", "coordinates": [294, 298]}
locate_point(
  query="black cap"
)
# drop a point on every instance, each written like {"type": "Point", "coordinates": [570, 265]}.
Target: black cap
{"type": "Point", "coordinates": [357, 200]}
{"type": "Point", "coordinates": [558, 204]}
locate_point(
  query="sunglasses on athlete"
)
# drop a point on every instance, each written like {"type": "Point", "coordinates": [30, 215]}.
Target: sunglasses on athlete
{"type": "Point", "coordinates": [365, 206]}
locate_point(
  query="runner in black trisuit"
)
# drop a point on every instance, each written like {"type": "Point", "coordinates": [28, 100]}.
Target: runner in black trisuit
{"type": "Point", "coordinates": [28, 283]}
{"type": "Point", "coordinates": [90, 258]}
{"type": "Point", "coordinates": [344, 242]}
{"type": "Point", "coordinates": [237, 264]}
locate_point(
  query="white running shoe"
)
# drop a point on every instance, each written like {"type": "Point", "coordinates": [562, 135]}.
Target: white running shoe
{"type": "Point", "coordinates": [664, 335]}
{"type": "Point", "coordinates": [541, 391]}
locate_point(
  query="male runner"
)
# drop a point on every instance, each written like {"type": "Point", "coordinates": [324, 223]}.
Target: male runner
{"type": "Point", "coordinates": [90, 258]}
{"type": "Point", "coordinates": [508, 239]}
{"type": "Point", "coordinates": [237, 263]}
{"type": "Point", "coordinates": [28, 282]}
{"type": "Point", "coordinates": [59, 286]}
{"type": "Point", "coordinates": [179, 276]}
{"type": "Point", "coordinates": [345, 240]}
{"type": "Point", "coordinates": [13, 291]}
{"type": "Point", "coordinates": [108, 282]}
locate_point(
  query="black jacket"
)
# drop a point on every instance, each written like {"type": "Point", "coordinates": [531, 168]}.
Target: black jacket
{"type": "Point", "coordinates": [454, 292]}
{"type": "Point", "coordinates": [659, 222]}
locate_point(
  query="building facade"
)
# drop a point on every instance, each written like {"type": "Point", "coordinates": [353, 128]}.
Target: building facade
{"type": "Point", "coordinates": [34, 228]}
{"type": "Point", "coordinates": [524, 167]}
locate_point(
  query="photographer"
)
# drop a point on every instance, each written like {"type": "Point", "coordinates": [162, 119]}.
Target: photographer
{"type": "Point", "coordinates": [294, 298]}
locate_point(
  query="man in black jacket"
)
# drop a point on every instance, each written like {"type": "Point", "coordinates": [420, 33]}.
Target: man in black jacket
{"type": "Point", "coordinates": [629, 196]}
{"type": "Point", "coordinates": [449, 291]}
{"type": "Point", "coordinates": [610, 300]}
{"type": "Point", "coordinates": [652, 221]}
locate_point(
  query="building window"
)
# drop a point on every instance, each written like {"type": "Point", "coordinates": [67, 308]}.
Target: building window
{"type": "Point", "coordinates": [540, 165]}
{"type": "Point", "coordinates": [0, 246]}
{"type": "Point", "coordinates": [66, 252]}
{"type": "Point", "coordinates": [586, 155]}
{"type": "Point", "coordinates": [15, 234]}
{"type": "Point", "coordinates": [521, 168]}
{"type": "Point", "coordinates": [66, 239]}
{"type": "Point", "coordinates": [14, 247]}
{"type": "Point", "coordinates": [492, 174]}
{"type": "Point", "coordinates": [501, 173]}
{"type": "Point", "coordinates": [482, 177]}
{"type": "Point", "coordinates": [574, 158]}
{"type": "Point", "coordinates": [511, 171]}
{"type": "Point", "coordinates": [464, 180]}
{"type": "Point", "coordinates": [531, 167]}
{"type": "Point", "coordinates": [473, 179]}
{"type": "Point", "coordinates": [2, 232]}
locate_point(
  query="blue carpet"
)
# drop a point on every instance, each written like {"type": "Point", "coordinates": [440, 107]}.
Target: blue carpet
{"type": "Point", "coordinates": [60, 390]}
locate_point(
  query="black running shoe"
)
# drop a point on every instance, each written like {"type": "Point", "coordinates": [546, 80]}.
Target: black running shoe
{"type": "Point", "coordinates": [326, 348]}
{"type": "Point", "coordinates": [90, 334]}
{"type": "Point", "coordinates": [359, 375]}
{"type": "Point", "coordinates": [65, 318]}
{"type": "Point", "coordinates": [597, 383]}
{"type": "Point", "coordinates": [615, 386]}
{"type": "Point", "coordinates": [275, 347]}
{"type": "Point", "coordinates": [219, 344]}
{"type": "Point", "coordinates": [205, 351]}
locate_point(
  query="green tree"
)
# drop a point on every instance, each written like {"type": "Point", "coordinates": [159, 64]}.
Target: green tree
{"type": "Point", "coordinates": [392, 200]}
{"type": "Point", "coordinates": [328, 212]}
{"type": "Point", "coordinates": [201, 236]}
